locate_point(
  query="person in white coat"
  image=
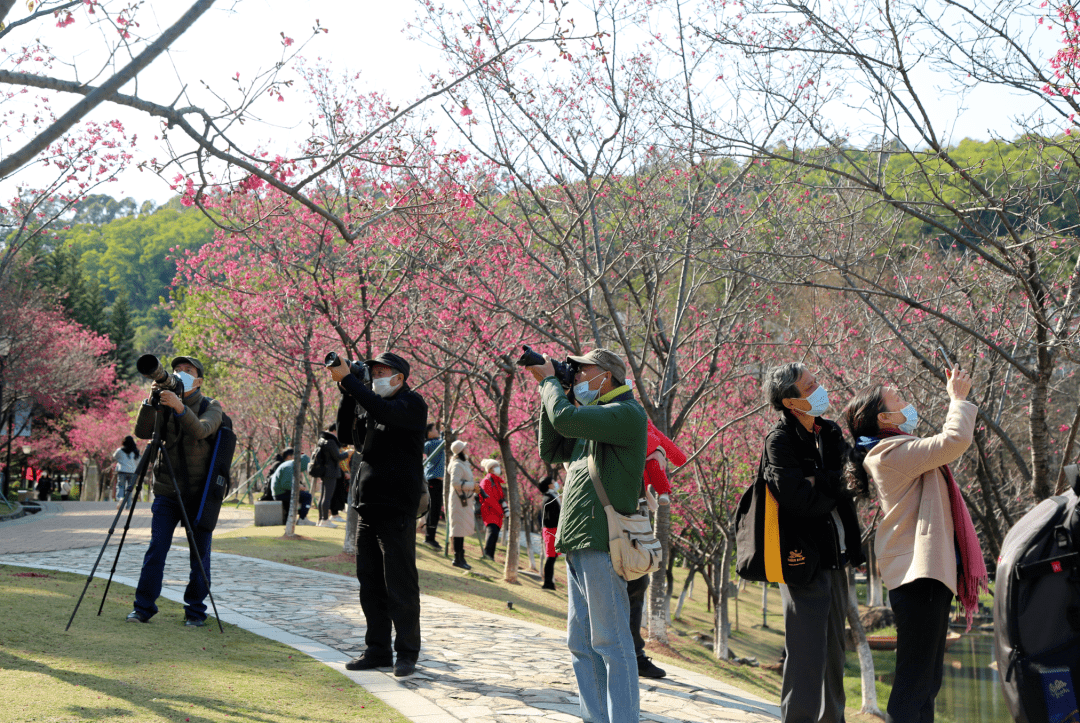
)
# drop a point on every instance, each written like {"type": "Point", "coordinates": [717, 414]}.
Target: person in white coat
{"type": "Point", "coordinates": [460, 504]}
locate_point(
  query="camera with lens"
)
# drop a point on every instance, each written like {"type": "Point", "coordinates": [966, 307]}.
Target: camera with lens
{"type": "Point", "coordinates": [564, 370]}
{"type": "Point", "coordinates": [358, 369]}
{"type": "Point", "coordinates": [151, 368]}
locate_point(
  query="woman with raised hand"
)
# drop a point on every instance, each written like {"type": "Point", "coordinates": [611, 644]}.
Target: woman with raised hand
{"type": "Point", "coordinates": [926, 544]}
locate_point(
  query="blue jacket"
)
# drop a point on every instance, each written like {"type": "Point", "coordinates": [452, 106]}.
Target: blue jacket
{"type": "Point", "coordinates": [434, 464]}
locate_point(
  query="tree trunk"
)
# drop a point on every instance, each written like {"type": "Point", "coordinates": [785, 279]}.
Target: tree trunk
{"type": "Point", "coordinates": [866, 660]}
{"type": "Point", "coordinates": [687, 591]}
{"type": "Point", "coordinates": [298, 438]}
{"type": "Point", "coordinates": [764, 604]}
{"type": "Point", "coordinates": [659, 610]}
{"type": "Point", "coordinates": [528, 547]}
{"type": "Point", "coordinates": [721, 624]}
{"type": "Point", "coordinates": [873, 578]}
{"type": "Point", "coordinates": [1041, 485]}
{"type": "Point", "coordinates": [513, 492]}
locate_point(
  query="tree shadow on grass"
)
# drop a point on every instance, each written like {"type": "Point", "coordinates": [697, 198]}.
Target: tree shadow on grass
{"type": "Point", "coordinates": [140, 699]}
{"type": "Point", "coordinates": [446, 584]}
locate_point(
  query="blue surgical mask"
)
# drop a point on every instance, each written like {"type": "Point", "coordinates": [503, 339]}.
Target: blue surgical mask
{"type": "Point", "coordinates": [583, 394]}
{"type": "Point", "coordinates": [819, 402]}
{"type": "Point", "coordinates": [911, 419]}
{"type": "Point", "coordinates": [187, 380]}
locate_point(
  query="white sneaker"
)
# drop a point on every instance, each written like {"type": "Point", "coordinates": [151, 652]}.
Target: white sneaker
{"type": "Point", "coordinates": [337, 518]}
{"type": "Point", "coordinates": [326, 523]}
{"type": "Point", "coordinates": [304, 522]}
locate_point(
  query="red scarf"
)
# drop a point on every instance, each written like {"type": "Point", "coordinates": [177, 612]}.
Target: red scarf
{"type": "Point", "coordinates": [971, 577]}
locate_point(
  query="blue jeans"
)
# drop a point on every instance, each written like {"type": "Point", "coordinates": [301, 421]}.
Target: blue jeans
{"type": "Point", "coordinates": [166, 517]}
{"type": "Point", "coordinates": [598, 635]}
{"type": "Point", "coordinates": [125, 485]}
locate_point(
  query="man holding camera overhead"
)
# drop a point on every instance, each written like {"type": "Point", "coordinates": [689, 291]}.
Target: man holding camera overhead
{"type": "Point", "coordinates": [611, 422]}
{"type": "Point", "coordinates": [188, 433]}
{"type": "Point", "coordinates": [387, 425]}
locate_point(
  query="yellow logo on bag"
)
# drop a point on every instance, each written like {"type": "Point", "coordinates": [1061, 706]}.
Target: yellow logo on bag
{"type": "Point", "coordinates": [795, 558]}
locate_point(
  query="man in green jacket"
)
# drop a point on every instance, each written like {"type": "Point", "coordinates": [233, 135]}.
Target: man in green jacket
{"type": "Point", "coordinates": [611, 423]}
{"type": "Point", "coordinates": [189, 428]}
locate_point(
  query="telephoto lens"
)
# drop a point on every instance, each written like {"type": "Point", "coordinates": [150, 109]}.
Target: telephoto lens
{"type": "Point", "coordinates": [152, 368]}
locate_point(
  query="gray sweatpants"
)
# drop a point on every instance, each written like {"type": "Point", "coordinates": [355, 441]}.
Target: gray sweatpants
{"type": "Point", "coordinates": [813, 687]}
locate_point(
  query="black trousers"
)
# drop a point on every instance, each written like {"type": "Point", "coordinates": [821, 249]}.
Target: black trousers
{"type": "Point", "coordinates": [340, 496]}
{"type": "Point", "coordinates": [922, 611]}
{"type": "Point", "coordinates": [329, 486]}
{"type": "Point", "coordinates": [492, 539]}
{"type": "Point", "coordinates": [635, 590]}
{"type": "Point", "coordinates": [431, 525]}
{"type": "Point", "coordinates": [812, 690]}
{"type": "Point", "coordinates": [286, 499]}
{"type": "Point", "coordinates": [459, 549]}
{"type": "Point", "coordinates": [389, 586]}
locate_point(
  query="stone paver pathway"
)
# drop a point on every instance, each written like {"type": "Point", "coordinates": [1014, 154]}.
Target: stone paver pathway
{"type": "Point", "coordinates": [475, 667]}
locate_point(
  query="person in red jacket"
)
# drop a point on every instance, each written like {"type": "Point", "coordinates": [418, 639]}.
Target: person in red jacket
{"type": "Point", "coordinates": [658, 449]}
{"type": "Point", "coordinates": [493, 506]}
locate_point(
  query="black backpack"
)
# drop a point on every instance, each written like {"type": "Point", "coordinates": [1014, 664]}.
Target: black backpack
{"type": "Point", "coordinates": [1037, 610]}
{"type": "Point", "coordinates": [219, 474]}
{"type": "Point", "coordinates": [319, 462]}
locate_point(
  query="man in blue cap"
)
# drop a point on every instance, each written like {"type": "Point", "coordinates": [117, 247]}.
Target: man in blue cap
{"type": "Point", "coordinates": [387, 425]}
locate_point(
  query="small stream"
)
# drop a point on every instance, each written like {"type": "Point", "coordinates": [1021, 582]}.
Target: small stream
{"type": "Point", "coordinates": [970, 691]}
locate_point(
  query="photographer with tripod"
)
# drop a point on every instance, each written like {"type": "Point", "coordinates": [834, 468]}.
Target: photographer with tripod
{"type": "Point", "coordinates": [189, 426]}
{"type": "Point", "coordinates": [386, 421]}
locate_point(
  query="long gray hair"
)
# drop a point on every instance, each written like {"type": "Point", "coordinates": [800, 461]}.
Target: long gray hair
{"type": "Point", "coordinates": [779, 384]}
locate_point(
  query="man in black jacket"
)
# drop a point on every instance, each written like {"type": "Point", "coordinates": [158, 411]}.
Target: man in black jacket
{"type": "Point", "coordinates": [804, 459]}
{"type": "Point", "coordinates": [386, 424]}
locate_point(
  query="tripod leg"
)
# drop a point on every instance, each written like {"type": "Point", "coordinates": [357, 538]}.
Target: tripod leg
{"type": "Point", "coordinates": [94, 569]}
{"type": "Point", "coordinates": [190, 532]}
{"type": "Point", "coordinates": [144, 464]}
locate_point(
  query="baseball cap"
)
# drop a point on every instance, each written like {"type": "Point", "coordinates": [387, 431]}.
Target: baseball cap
{"type": "Point", "coordinates": [607, 360]}
{"type": "Point", "coordinates": [392, 360]}
{"type": "Point", "coordinates": [190, 360]}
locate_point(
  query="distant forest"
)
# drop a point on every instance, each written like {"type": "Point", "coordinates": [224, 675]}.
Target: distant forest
{"type": "Point", "coordinates": [111, 265]}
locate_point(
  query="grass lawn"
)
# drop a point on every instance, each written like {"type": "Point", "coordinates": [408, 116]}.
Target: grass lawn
{"type": "Point", "coordinates": [319, 548]}
{"type": "Point", "coordinates": [107, 669]}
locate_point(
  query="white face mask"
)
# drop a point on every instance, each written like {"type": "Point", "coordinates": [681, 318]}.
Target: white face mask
{"type": "Point", "coordinates": [583, 393]}
{"type": "Point", "coordinates": [911, 419]}
{"type": "Point", "coordinates": [383, 387]}
{"type": "Point", "coordinates": [819, 402]}
{"type": "Point", "coordinates": [187, 380]}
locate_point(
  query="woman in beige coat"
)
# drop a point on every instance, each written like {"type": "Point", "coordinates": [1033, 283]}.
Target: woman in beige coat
{"type": "Point", "coordinates": [460, 501]}
{"type": "Point", "coordinates": [926, 544]}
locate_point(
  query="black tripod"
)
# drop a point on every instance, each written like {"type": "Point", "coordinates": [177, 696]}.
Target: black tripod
{"type": "Point", "coordinates": [156, 446]}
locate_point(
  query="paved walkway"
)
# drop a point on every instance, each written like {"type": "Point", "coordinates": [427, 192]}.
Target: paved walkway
{"type": "Point", "coordinates": [475, 667]}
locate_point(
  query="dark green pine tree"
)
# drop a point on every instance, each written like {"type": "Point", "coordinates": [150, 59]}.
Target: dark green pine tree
{"type": "Point", "coordinates": [122, 335]}
{"type": "Point", "coordinates": [59, 273]}
{"type": "Point", "coordinates": [90, 307]}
